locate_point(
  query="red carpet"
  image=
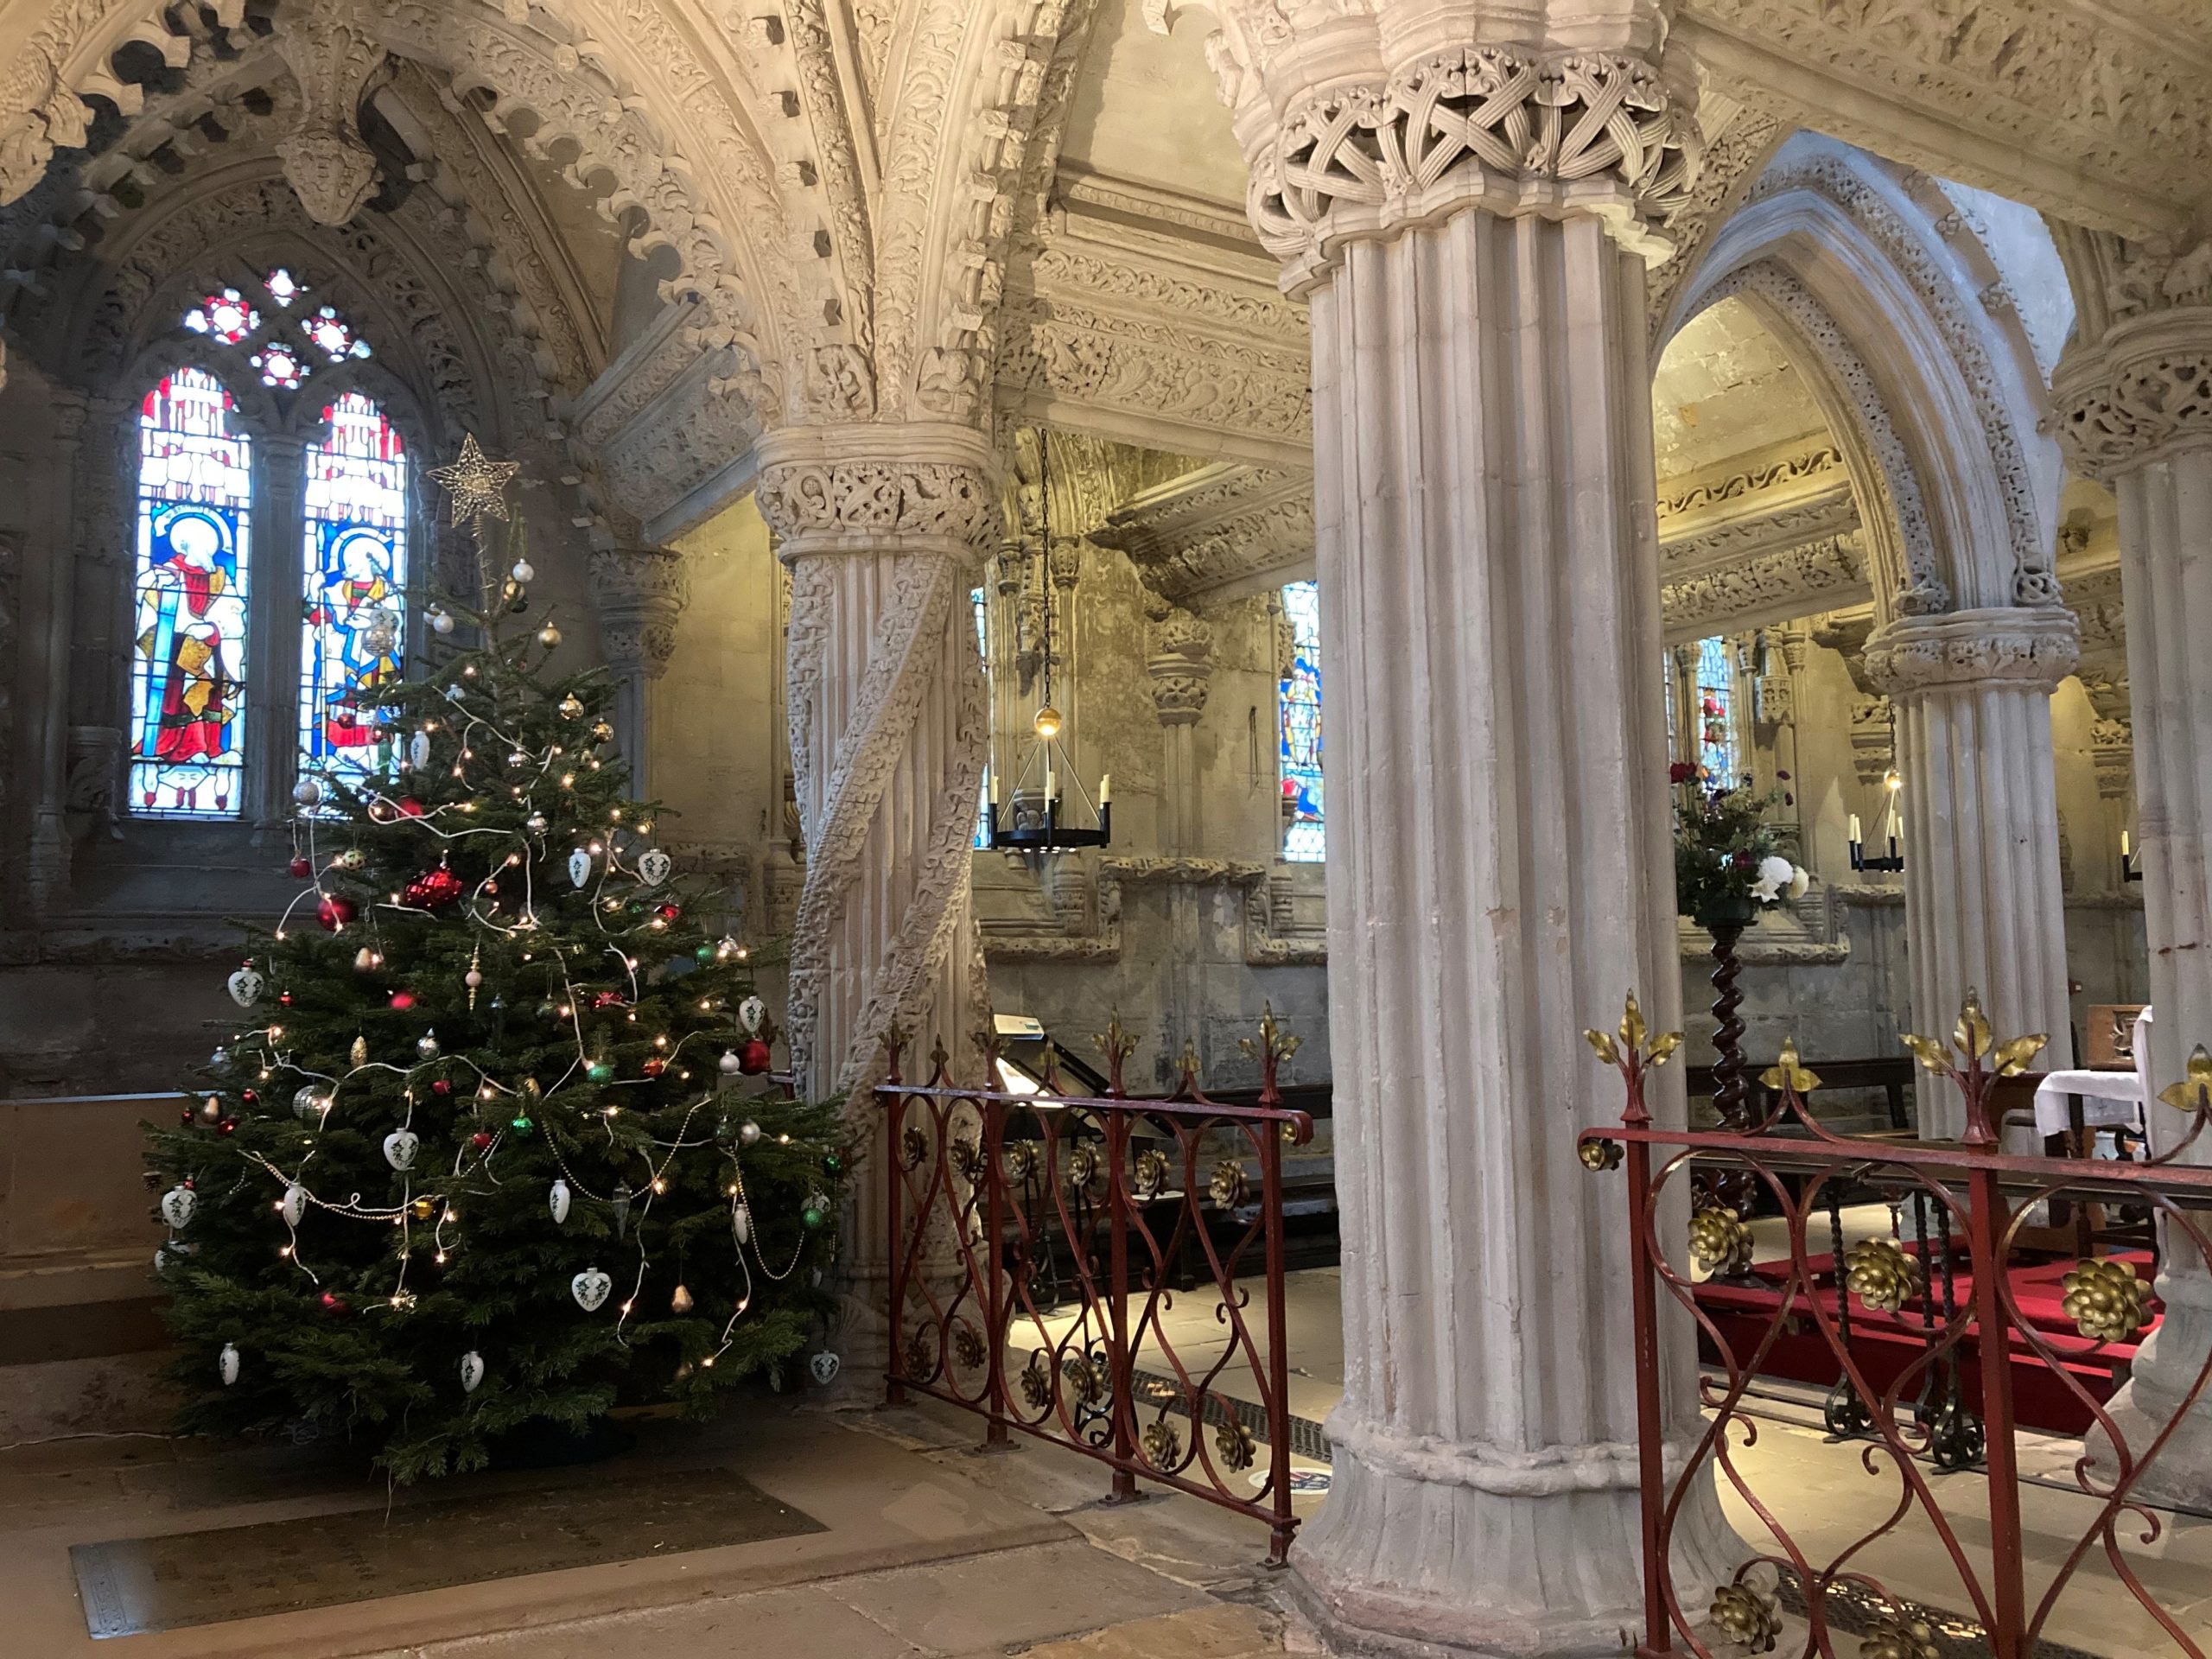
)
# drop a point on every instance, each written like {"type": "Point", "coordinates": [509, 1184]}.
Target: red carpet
{"type": "Point", "coordinates": [1884, 1345]}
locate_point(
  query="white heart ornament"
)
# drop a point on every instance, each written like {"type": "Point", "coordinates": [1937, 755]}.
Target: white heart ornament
{"type": "Point", "coordinates": [245, 987]}
{"type": "Point", "coordinates": [580, 867]}
{"type": "Point", "coordinates": [825, 1366]}
{"type": "Point", "coordinates": [653, 867]}
{"type": "Point", "coordinates": [589, 1287]}
{"type": "Point", "coordinates": [557, 1202]}
{"type": "Point", "coordinates": [226, 1363]}
{"type": "Point", "coordinates": [177, 1205]}
{"type": "Point", "coordinates": [295, 1205]}
{"type": "Point", "coordinates": [418, 749]}
{"type": "Point", "coordinates": [472, 1371]}
{"type": "Point", "coordinates": [400, 1147]}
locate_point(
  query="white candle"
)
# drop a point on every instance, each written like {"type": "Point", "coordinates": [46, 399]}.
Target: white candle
{"type": "Point", "coordinates": [1048, 784]}
{"type": "Point", "coordinates": [1105, 787]}
{"type": "Point", "coordinates": [1855, 836]}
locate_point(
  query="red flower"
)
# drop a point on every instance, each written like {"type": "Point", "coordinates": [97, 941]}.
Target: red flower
{"type": "Point", "coordinates": [1746, 860]}
{"type": "Point", "coordinates": [1682, 772]}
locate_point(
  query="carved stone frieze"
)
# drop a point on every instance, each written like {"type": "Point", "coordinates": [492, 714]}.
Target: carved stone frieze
{"type": "Point", "coordinates": [1911, 656]}
{"type": "Point", "coordinates": [1770, 587]}
{"type": "Point", "coordinates": [1217, 531]}
{"type": "Point", "coordinates": [1733, 159]}
{"type": "Point", "coordinates": [822, 502]}
{"type": "Point", "coordinates": [1873, 740]}
{"type": "Point", "coordinates": [1808, 468]}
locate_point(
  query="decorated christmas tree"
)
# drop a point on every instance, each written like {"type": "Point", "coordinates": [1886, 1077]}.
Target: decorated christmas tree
{"type": "Point", "coordinates": [492, 1144]}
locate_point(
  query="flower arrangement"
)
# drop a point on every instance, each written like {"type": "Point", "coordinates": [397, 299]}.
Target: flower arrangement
{"type": "Point", "coordinates": [1727, 860]}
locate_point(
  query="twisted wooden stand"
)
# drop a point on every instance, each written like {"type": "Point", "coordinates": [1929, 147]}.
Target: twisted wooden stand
{"type": "Point", "coordinates": [1730, 1090]}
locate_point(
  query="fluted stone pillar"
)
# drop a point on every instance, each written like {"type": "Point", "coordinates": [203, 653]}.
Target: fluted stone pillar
{"type": "Point", "coordinates": [1985, 909]}
{"type": "Point", "coordinates": [1469, 224]}
{"type": "Point", "coordinates": [48, 592]}
{"type": "Point", "coordinates": [1181, 670]}
{"type": "Point", "coordinates": [884, 528]}
{"type": "Point", "coordinates": [639, 595]}
{"type": "Point", "coordinates": [2135, 410]}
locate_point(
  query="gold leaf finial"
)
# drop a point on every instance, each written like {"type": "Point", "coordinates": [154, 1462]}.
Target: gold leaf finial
{"type": "Point", "coordinates": [1930, 1053]}
{"type": "Point", "coordinates": [1638, 1046]}
{"type": "Point", "coordinates": [2194, 1092]}
{"type": "Point", "coordinates": [2013, 1057]}
{"type": "Point", "coordinates": [1971, 1034]}
{"type": "Point", "coordinates": [1788, 1072]}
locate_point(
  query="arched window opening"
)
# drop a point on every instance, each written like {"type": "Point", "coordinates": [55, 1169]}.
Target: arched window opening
{"type": "Point", "coordinates": [195, 490]}
{"type": "Point", "coordinates": [1718, 749]}
{"type": "Point", "coordinates": [1300, 703]}
{"type": "Point", "coordinates": [354, 509]}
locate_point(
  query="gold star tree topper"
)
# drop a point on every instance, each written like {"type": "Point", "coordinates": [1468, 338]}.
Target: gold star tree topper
{"type": "Point", "coordinates": [477, 483]}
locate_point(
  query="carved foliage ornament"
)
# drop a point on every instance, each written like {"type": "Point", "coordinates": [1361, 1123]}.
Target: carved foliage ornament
{"type": "Point", "coordinates": [2151, 394]}
{"type": "Point", "coordinates": [335, 61]}
{"type": "Point", "coordinates": [2032, 647]}
{"type": "Point", "coordinates": [1522, 131]}
{"type": "Point", "coordinates": [950, 500]}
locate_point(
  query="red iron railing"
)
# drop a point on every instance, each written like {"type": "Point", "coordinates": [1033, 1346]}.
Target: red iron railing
{"type": "Point", "coordinates": [1036, 1244]}
{"type": "Point", "coordinates": [1904, 1428]}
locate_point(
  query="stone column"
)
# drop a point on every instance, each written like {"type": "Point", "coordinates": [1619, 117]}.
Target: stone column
{"type": "Point", "coordinates": [884, 528]}
{"type": "Point", "coordinates": [1182, 672]}
{"type": "Point", "coordinates": [2134, 408]}
{"type": "Point", "coordinates": [1985, 909]}
{"type": "Point", "coordinates": [640, 594]}
{"type": "Point", "coordinates": [1469, 223]}
{"type": "Point", "coordinates": [48, 588]}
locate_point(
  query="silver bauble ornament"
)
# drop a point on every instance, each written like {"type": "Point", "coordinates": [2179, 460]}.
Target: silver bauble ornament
{"type": "Point", "coordinates": [306, 1102]}
{"type": "Point", "coordinates": [307, 791]}
{"type": "Point", "coordinates": [749, 1131]}
{"type": "Point", "coordinates": [427, 1045]}
{"type": "Point", "coordinates": [522, 571]}
{"type": "Point", "coordinates": [729, 1063]}
{"type": "Point", "coordinates": [442, 621]}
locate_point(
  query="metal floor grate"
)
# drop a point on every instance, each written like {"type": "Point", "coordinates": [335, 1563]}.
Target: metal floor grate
{"type": "Point", "coordinates": [1307, 1439]}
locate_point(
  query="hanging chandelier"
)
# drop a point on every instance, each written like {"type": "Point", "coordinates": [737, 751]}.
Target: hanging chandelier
{"type": "Point", "coordinates": [1052, 810]}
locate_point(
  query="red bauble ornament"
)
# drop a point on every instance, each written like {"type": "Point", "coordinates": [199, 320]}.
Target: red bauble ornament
{"type": "Point", "coordinates": [481, 1140]}
{"type": "Point", "coordinates": [433, 889]}
{"type": "Point", "coordinates": [251, 1098]}
{"type": "Point", "coordinates": [752, 1057]}
{"type": "Point", "coordinates": [333, 1301]}
{"type": "Point", "coordinates": [441, 1087]}
{"type": "Point", "coordinates": [402, 999]}
{"type": "Point", "coordinates": [606, 999]}
{"type": "Point", "coordinates": [334, 913]}
{"type": "Point", "coordinates": [284, 997]}
{"type": "Point", "coordinates": [301, 867]}
{"type": "Point", "coordinates": [411, 808]}
{"type": "Point", "coordinates": [669, 912]}
{"type": "Point", "coordinates": [654, 1065]}
{"type": "Point", "coordinates": [185, 1117]}
{"type": "Point", "coordinates": [491, 888]}
{"type": "Point", "coordinates": [226, 1125]}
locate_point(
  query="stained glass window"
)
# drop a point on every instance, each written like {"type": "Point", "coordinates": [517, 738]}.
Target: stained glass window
{"type": "Point", "coordinates": [195, 487]}
{"type": "Point", "coordinates": [355, 513]}
{"type": "Point", "coordinates": [283, 287]}
{"type": "Point", "coordinates": [976, 597]}
{"type": "Point", "coordinates": [1716, 712]}
{"type": "Point", "coordinates": [225, 316]}
{"type": "Point", "coordinates": [333, 336]}
{"type": "Point", "coordinates": [1300, 703]}
{"type": "Point", "coordinates": [281, 366]}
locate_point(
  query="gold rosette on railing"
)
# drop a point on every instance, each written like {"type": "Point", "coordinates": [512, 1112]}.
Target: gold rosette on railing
{"type": "Point", "coordinates": [1740, 1614]}
{"type": "Point", "coordinates": [2105, 1300]}
{"type": "Point", "coordinates": [1900, 1638]}
{"type": "Point", "coordinates": [1719, 1242]}
{"type": "Point", "coordinates": [1882, 1275]}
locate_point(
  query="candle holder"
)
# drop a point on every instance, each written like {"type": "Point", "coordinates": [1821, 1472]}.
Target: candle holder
{"type": "Point", "coordinates": [2131, 864]}
{"type": "Point", "coordinates": [1893, 862]}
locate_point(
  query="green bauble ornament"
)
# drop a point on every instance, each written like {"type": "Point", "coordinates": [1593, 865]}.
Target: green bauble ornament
{"type": "Point", "coordinates": [598, 1072]}
{"type": "Point", "coordinates": [704, 953]}
{"type": "Point", "coordinates": [811, 1216]}
{"type": "Point", "coordinates": [831, 1162]}
{"type": "Point", "coordinates": [522, 1126]}
{"type": "Point", "coordinates": [545, 1009]}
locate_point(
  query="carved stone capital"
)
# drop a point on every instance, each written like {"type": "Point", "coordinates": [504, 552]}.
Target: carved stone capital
{"type": "Point", "coordinates": [2112, 748]}
{"type": "Point", "coordinates": [1964, 650]}
{"type": "Point", "coordinates": [1181, 667]}
{"type": "Point", "coordinates": [334, 60]}
{"type": "Point", "coordinates": [1510, 129]}
{"type": "Point", "coordinates": [873, 489]}
{"type": "Point", "coordinates": [640, 596]}
{"type": "Point", "coordinates": [2141, 393]}
{"type": "Point", "coordinates": [1873, 745]}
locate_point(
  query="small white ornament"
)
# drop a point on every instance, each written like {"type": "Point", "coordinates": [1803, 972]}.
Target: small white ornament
{"type": "Point", "coordinates": [750, 1013]}
{"type": "Point", "coordinates": [177, 1205]}
{"type": "Point", "coordinates": [580, 867]}
{"type": "Point", "coordinates": [427, 1045]}
{"type": "Point", "coordinates": [418, 748]}
{"type": "Point", "coordinates": [364, 960]}
{"type": "Point", "coordinates": [825, 1366]}
{"type": "Point", "coordinates": [653, 867]}
{"type": "Point", "coordinates": [454, 693]}
{"type": "Point", "coordinates": [750, 1133]}
{"type": "Point", "coordinates": [557, 1202]}
{"type": "Point", "coordinates": [473, 978]}
{"type": "Point", "coordinates": [295, 1205]}
{"type": "Point", "coordinates": [535, 824]}
{"type": "Point", "coordinates": [729, 1063]}
{"type": "Point", "coordinates": [589, 1287]}
{"type": "Point", "coordinates": [400, 1147]}
{"type": "Point", "coordinates": [522, 570]}
{"type": "Point", "coordinates": [245, 987]}
{"type": "Point", "coordinates": [307, 791]}
{"type": "Point", "coordinates": [741, 1221]}
{"type": "Point", "coordinates": [162, 1259]}
{"type": "Point", "coordinates": [442, 621]}
{"type": "Point", "coordinates": [226, 1363]}
{"type": "Point", "coordinates": [472, 1371]}
{"type": "Point", "coordinates": [220, 1057]}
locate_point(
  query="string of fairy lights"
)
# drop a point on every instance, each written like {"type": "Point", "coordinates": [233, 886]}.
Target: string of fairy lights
{"type": "Point", "coordinates": [619, 866]}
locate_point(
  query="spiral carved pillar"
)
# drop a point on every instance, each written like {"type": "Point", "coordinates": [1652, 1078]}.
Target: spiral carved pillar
{"type": "Point", "coordinates": [2135, 410]}
{"type": "Point", "coordinates": [1499, 866]}
{"type": "Point", "coordinates": [884, 528]}
{"type": "Point", "coordinates": [640, 596]}
{"type": "Point", "coordinates": [1985, 910]}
